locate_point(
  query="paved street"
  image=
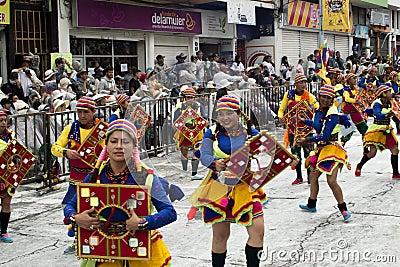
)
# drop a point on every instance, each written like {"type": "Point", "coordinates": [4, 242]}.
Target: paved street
{"type": "Point", "coordinates": [292, 237]}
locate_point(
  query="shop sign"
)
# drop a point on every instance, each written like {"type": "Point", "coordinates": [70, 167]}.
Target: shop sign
{"type": "Point", "coordinates": [256, 54]}
{"type": "Point", "coordinates": [4, 12]}
{"type": "Point", "coordinates": [306, 14]}
{"type": "Point", "coordinates": [215, 24]}
{"type": "Point", "coordinates": [99, 14]}
{"type": "Point", "coordinates": [379, 18]}
{"type": "Point", "coordinates": [241, 12]}
{"type": "Point", "coordinates": [362, 32]}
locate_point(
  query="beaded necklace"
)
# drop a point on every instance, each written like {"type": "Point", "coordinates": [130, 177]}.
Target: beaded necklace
{"type": "Point", "coordinates": [236, 132]}
{"type": "Point", "coordinates": [116, 178]}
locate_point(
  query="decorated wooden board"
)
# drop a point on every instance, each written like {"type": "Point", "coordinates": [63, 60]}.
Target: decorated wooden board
{"type": "Point", "coordinates": [90, 149]}
{"type": "Point", "coordinates": [15, 162]}
{"type": "Point", "coordinates": [141, 119]}
{"type": "Point", "coordinates": [260, 160]}
{"type": "Point", "coordinates": [190, 124]}
{"type": "Point", "coordinates": [396, 108]}
{"type": "Point", "coordinates": [113, 203]}
{"type": "Point", "coordinates": [293, 121]}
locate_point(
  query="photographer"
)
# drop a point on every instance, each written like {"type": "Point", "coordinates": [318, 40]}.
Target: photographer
{"type": "Point", "coordinates": [13, 86]}
{"type": "Point", "coordinates": [60, 68]}
{"type": "Point", "coordinates": [27, 77]}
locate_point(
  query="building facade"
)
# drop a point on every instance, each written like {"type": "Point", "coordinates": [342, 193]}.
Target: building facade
{"type": "Point", "coordinates": [132, 33]}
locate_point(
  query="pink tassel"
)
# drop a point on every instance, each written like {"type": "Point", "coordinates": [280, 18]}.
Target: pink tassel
{"type": "Point", "coordinates": [102, 157]}
{"type": "Point", "coordinates": [224, 202]}
{"type": "Point", "coordinates": [192, 213]}
{"type": "Point", "coordinates": [136, 155]}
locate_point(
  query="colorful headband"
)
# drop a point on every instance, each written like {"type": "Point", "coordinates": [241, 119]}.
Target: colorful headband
{"type": "Point", "coordinates": [393, 73]}
{"type": "Point", "coordinates": [189, 92]}
{"type": "Point", "coordinates": [3, 114]}
{"type": "Point", "coordinates": [381, 89]}
{"type": "Point", "coordinates": [121, 98]}
{"type": "Point", "coordinates": [327, 90]}
{"type": "Point", "coordinates": [228, 102]}
{"type": "Point", "coordinates": [85, 102]}
{"type": "Point", "coordinates": [299, 78]}
{"type": "Point", "coordinates": [123, 125]}
{"type": "Point", "coordinates": [349, 76]}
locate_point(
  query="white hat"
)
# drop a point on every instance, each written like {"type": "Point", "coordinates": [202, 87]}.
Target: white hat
{"type": "Point", "coordinates": [98, 97]}
{"type": "Point", "coordinates": [210, 84]}
{"type": "Point", "coordinates": [58, 102]}
{"type": "Point", "coordinates": [111, 100]}
{"type": "Point", "coordinates": [57, 94]}
{"type": "Point", "coordinates": [184, 87]}
{"type": "Point", "coordinates": [251, 82]}
{"type": "Point", "coordinates": [69, 96]}
{"type": "Point", "coordinates": [43, 107]}
{"type": "Point", "coordinates": [223, 83]}
{"type": "Point", "coordinates": [48, 74]}
{"type": "Point", "coordinates": [21, 106]}
{"type": "Point", "coordinates": [64, 82]}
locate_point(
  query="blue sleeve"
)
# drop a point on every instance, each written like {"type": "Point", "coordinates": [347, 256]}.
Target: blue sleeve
{"type": "Point", "coordinates": [203, 112]}
{"type": "Point", "coordinates": [166, 213]}
{"type": "Point", "coordinates": [330, 123]}
{"type": "Point", "coordinates": [113, 117]}
{"type": "Point", "coordinates": [378, 112]}
{"type": "Point", "coordinates": [308, 122]}
{"type": "Point", "coordinates": [177, 113]}
{"type": "Point", "coordinates": [361, 83]}
{"type": "Point", "coordinates": [207, 151]}
{"type": "Point", "coordinates": [71, 206]}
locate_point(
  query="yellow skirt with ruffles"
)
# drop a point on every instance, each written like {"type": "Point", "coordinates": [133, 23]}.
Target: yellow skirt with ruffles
{"type": "Point", "coordinates": [377, 135]}
{"type": "Point", "coordinates": [160, 256]}
{"type": "Point", "coordinates": [222, 203]}
{"type": "Point", "coordinates": [182, 141]}
{"type": "Point", "coordinates": [326, 158]}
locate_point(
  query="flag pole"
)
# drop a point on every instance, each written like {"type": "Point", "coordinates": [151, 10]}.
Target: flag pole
{"type": "Point", "coordinates": [321, 31]}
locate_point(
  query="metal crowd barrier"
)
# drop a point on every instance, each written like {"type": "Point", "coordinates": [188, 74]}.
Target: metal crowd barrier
{"type": "Point", "coordinates": [39, 130]}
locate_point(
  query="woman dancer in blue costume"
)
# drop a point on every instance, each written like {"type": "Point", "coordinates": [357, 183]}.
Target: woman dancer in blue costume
{"type": "Point", "coordinates": [329, 156]}
{"type": "Point", "coordinates": [222, 199]}
{"type": "Point", "coordinates": [121, 141]}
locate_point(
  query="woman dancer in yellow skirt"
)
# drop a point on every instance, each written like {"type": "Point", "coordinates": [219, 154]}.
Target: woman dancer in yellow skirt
{"type": "Point", "coordinates": [380, 134]}
{"type": "Point", "coordinates": [223, 199]}
{"type": "Point", "coordinates": [183, 143]}
{"type": "Point", "coordinates": [329, 156]}
{"type": "Point", "coordinates": [120, 168]}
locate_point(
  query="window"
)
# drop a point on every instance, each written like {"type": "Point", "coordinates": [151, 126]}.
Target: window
{"type": "Point", "coordinates": [398, 20]}
{"type": "Point", "coordinates": [100, 52]}
{"type": "Point", "coordinates": [359, 15]}
{"type": "Point", "coordinates": [394, 13]}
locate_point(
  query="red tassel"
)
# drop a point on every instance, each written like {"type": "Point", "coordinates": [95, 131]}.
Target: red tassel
{"type": "Point", "coordinates": [192, 212]}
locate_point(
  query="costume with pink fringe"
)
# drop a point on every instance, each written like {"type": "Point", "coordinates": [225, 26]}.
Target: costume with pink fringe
{"type": "Point", "coordinates": [134, 174]}
{"type": "Point", "coordinates": [329, 153]}
{"type": "Point", "coordinates": [222, 197]}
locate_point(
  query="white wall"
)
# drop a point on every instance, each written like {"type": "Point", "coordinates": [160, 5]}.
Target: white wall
{"type": "Point", "coordinates": [63, 27]}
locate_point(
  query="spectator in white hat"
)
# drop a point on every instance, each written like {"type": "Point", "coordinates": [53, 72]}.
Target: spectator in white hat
{"type": "Point", "coordinates": [27, 77]}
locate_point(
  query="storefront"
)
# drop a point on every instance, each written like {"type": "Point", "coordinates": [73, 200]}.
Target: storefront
{"type": "Point", "coordinates": [124, 35]}
{"type": "Point", "coordinates": [300, 33]}
{"type": "Point", "coordinates": [361, 36]}
{"type": "Point", "coordinates": [218, 35]}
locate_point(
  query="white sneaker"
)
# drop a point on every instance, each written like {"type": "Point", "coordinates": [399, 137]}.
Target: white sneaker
{"type": "Point", "coordinates": [183, 174]}
{"type": "Point", "coordinates": [196, 177]}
